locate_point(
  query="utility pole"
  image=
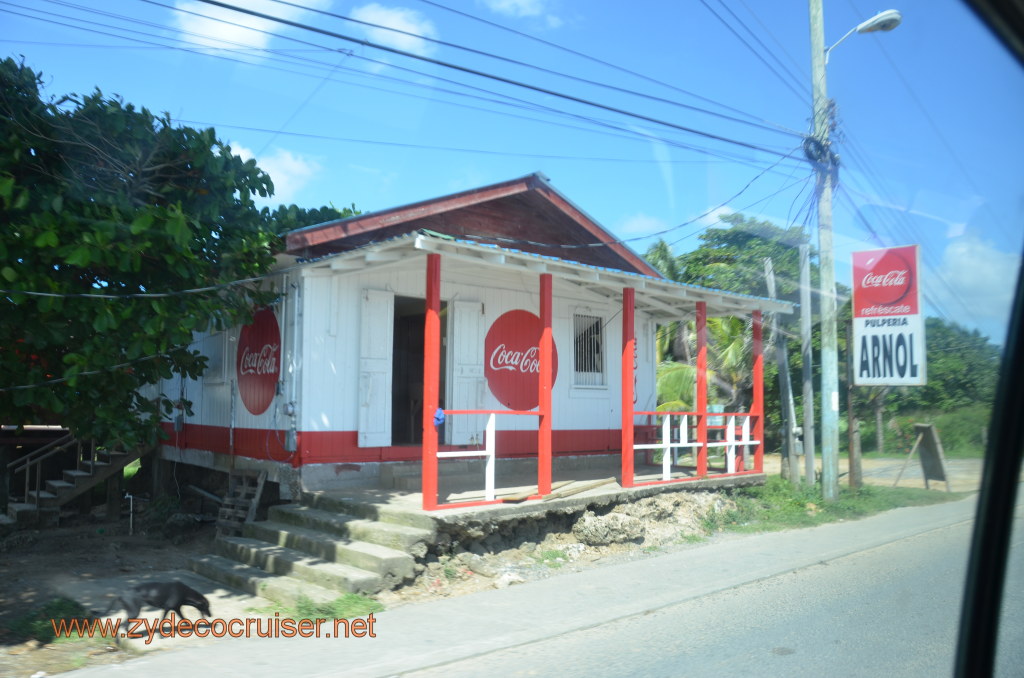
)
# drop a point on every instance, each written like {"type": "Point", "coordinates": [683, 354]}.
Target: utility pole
{"type": "Point", "coordinates": [807, 371]}
{"type": "Point", "coordinates": [853, 452]}
{"type": "Point", "coordinates": [790, 463]}
{"type": "Point", "coordinates": [819, 150]}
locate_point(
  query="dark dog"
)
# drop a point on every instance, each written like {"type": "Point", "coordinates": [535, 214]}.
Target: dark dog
{"type": "Point", "coordinates": [166, 596]}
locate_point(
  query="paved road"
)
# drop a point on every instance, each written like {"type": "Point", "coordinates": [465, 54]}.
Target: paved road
{"type": "Point", "coordinates": [889, 611]}
{"type": "Point", "coordinates": [729, 608]}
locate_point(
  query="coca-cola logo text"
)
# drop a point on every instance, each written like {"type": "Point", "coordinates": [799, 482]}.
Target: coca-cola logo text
{"type": "Point", "coordinates": [890, 279]}
{"type": "Point", "coordinates": [527, 362]}
{"type": "Point", "coordinates": [262, 362]}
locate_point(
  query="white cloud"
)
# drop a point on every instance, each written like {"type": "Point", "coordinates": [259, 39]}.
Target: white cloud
{"type": "Point", "coordinates": [228, 26]}
{"type": "Point", "coordinates": [641, 224]}
{"type": "Point", "coordinates": [525, 8]}
{"type": "Point", "coordinates": [289, 171]}
{"type": "Point", "coordinates": [983, 278]}
{"type": "Point", "coordinates": [516, 7]}
{"type": "Point", "coordinates": [398, 18]}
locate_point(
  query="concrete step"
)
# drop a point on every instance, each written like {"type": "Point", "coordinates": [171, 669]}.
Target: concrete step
{"type": "Point", "coordinates": [284, 561]}
{"type": "Point", "coordinates": [75, 477]}
{"type": "Point", "coordinates": [381, 560]}
{"type": "Point", "coordinates": [282, 590]}
{"type": "Point", "coordinates": [29, 515]}
{"type": "Point", "coordinates": [340, 502]}
{"type": "Point", "coordinates": [58, 486]}
{"type": "Point", "coordinates": [412, 540]}
{"type": "Point", "coordinates": [43, 499]}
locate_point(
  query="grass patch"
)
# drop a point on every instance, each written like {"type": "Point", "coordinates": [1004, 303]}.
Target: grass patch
{"type": "Point", "coordinates": [778, 505]}
{"type": "Point", "coordinates": [348, 606]}
{"type": "Point", "coordinates": [553, 558]}
{"type": "Point", "coordinates": [38, 624]}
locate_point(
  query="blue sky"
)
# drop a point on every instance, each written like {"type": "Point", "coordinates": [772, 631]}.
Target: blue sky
{"type": "Point", "coordinates": [928, 115]}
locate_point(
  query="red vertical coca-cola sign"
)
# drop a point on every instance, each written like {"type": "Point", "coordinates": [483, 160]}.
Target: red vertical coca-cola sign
{"type": "Point", "coordinates": [512, 352]}
{"type": "Point", "coordinates": [888, 330]}
{"type": "Point", "coordinates": [258, 365]}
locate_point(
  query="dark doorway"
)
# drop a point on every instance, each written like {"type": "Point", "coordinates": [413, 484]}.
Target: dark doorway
{"type": "Point", "coordinates": [407, 376]}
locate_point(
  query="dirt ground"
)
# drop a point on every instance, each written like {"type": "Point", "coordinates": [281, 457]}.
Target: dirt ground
{"type": "Point", "coordinates": [38, 565]}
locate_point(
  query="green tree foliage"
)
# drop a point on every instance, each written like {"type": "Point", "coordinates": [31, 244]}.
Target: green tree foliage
{"type": "Point", "coordinates": [962, 364]}
{"type": "Point", "coordinates": [732, 259]}
{"type": "Point", "coordinates": [292, 217]}
{"type": "Point", "coordinates": [962, 371]}
{"type": "Point", "coordinates": [99, 197]}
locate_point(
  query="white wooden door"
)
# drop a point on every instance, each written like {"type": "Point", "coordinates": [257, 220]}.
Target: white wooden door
{"type": "Point", "coordinates": [376, 345]}
{"type": "Point", "coordinates": [466, 372]}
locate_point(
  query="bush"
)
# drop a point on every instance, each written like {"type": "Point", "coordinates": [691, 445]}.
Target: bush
{"type": "Point", "coordinates": [38, 624]}
{"type": "Point", "coordinates": [960, 431]}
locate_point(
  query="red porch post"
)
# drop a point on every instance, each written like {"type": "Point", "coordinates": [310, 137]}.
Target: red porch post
{"type": "Point", "coordinates": [757, 400]}
{"type": "Point", "coordinates": [628, 354]}
{"type": "Point", "coordinates": [702, 387]}
{"type": "Point", "coordinates": [544, 384]}
{"type": "Point", "coordinates": [431, 380]}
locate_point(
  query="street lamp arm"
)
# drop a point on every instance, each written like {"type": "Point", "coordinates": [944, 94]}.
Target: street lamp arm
{"type": "Point", "coordinates": [883, 21]}
{"type": "Point", "coordinates": [828, 50]}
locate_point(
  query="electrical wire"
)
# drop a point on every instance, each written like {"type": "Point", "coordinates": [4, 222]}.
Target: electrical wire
{"type": "Point", "coordinates": [602, 62]}
{"type": "Point", "coordinates": [203, 51]}
{"type": "Point", "coordinates": [799, 95]}
{"type": "Point", "coordinates": [490, 76]}
{"type": "Point", "coordinates": [517, 62]}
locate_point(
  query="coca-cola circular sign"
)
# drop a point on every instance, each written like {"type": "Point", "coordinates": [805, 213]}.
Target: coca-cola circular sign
{"type": "Point", "coordinates": [258, 366]}
{"type": "Point", "coordinates": [512, 352]}
{"type": "Point", "coordinates": [885, 282]}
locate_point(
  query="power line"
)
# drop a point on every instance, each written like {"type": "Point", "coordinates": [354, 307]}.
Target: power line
{"type": "Point", "coordinates": [523, 104]}
{"type": "Point", "coordinates": [517, 62]}
{"type": "Point", "coordinates": [490, 76]}
{"type": "Point", "coordinates": [800, 82]}
{"type": "Point", "coordinates": [799, 95]}
{"type": "Point", "coordinates": [766, 30]}
{"type": "Point", "coordinates": [532, 106]}
{"type": "Point", "coordinates": [602, 62]}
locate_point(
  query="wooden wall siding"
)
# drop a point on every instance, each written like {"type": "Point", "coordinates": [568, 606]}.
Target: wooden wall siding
{"type": "Point", "coordinates": [327, 393]}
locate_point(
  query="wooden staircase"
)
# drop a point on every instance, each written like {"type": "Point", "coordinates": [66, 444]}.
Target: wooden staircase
{"type": "Point", "coordinates": [44, 491]}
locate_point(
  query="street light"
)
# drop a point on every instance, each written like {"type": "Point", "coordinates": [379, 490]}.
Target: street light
{"type": "Point", "coordinates": [883, 21]}
{"type": "Point", "coordinates": [819, 152]}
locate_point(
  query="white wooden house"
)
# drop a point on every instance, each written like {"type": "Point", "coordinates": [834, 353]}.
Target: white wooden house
{"type": "Point", "coordinates": [506, 299]}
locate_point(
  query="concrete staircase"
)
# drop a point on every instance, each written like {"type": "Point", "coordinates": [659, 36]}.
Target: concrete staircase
{"type": "Point", "coordinates": [321, 548]}
{"type": "Point", "coordinates": [41, 508]}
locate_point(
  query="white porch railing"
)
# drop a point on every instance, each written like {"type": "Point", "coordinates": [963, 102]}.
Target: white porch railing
{"type": "Point", "coordinates": [487, 451]}
{"type": "Point", "coordinates": [682, 443]}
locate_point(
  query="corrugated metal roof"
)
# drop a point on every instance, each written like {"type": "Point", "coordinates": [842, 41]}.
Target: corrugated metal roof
{"type": "Point", "coordinates": [661, 297]}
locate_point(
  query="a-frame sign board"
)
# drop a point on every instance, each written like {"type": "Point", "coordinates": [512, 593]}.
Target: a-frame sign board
{"type": "Point", "coordinates": [933, 462]}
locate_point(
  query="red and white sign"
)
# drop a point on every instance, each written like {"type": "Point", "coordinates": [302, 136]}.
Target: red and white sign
{"type": "Point", "coordinates": [888, 330]}
{"type": "Point", "coordinates": [512, 354]}
{"type": "Point", "coordinates": [258, 366]}
{"type": "Point", "coordinates": [885, 282]}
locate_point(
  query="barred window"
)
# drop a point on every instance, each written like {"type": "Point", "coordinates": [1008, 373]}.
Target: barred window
{"type": "Point", "coordinates": [588, 349]}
